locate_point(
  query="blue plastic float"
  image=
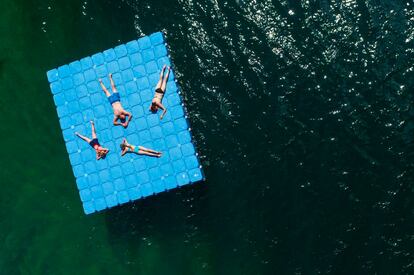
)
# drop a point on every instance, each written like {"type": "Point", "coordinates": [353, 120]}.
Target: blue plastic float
{"type": "Point", "coordinates": [78, 97]}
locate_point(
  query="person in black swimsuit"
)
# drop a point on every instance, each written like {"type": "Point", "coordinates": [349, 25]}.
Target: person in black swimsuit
{"type": "Point", "coordinates": [100, 151]}
{"type": "Point", "coordinates": [159, 93]}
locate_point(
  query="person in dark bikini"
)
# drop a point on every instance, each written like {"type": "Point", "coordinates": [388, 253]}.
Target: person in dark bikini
{"type": "Point", "coordinates": [94, 143]}
{"type": "Point", "coordinates": [140, 150]}
{"type": "Point", "coordinates": [115, 101]}
{"type": "Point", "coordinates": [159, 93]}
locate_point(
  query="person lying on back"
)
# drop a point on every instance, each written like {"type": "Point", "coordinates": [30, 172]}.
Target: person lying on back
{"type": "Point", "coordinates": [159, 93]}
{"type": "Point", "coordinates": [115, 100]}
{"type": "Point", "coordinates": [100, 151]}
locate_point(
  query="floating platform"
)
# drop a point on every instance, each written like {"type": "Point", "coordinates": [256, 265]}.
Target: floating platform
{"type": "Point", "coordinates": [79, 98]}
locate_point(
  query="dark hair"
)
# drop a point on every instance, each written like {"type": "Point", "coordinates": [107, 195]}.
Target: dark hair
{"type": "Point", "coordinates": [122, 145]}
{"type": "Point", "coordinates": [153, 107]}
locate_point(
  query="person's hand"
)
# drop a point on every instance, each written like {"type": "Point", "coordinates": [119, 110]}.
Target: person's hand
{"type": "Point", "coordinates": [161, 116]}
{"type": "Point", "coordinates": [124, 124]}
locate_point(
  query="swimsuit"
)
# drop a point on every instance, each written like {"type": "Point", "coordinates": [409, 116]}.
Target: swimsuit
{"type": "Point", "coordinates": [94, 142]}
{"type": "Point", "coordinates": [135, 150]}
{"type": "Point", "coordinates": [114, 98]}
{"type": "Point", "coordinates": [159, 93]}
{"type": "Point", "coordinates": [159, 90]}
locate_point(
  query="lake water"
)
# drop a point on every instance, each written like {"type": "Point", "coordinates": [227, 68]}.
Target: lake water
{"type": "Point", "coordinates": [303, 116]}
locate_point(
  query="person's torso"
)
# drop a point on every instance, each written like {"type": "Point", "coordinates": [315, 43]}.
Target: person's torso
{"type": "Point", "coordinates": [117, 108]}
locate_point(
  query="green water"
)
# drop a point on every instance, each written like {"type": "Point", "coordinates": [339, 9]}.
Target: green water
{"type": "Point", "coordinates": [303, 116]}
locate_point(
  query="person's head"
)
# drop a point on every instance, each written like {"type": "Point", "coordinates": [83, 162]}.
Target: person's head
{"type": "Point", "coordinates": [102, 152]}
{"type": "Point", "coordinates": [122, 117]}
{"type": "Point", "coordinates": [123, 146]}
{"type": "Point", "coordinates": [153, 107]}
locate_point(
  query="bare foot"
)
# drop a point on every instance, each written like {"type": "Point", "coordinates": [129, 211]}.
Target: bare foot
{"type": "Point", "coordinates": [100, 80]}
{"type": "Point", "coordinates": [110, 75]}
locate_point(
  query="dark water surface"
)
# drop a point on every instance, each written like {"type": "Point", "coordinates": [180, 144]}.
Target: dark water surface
{"type": "Point", "coordinates": [303, 114]}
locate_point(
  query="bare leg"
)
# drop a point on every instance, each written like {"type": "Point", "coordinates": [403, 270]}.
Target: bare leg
{"type": "Point", "coordinates": [112, 84]}
{"type": "Point", "coordinates": [83, 137]}
{"type": "Point", "coordinates": [159, 84]}
{"type": "Point", "coordinates": [148, 150]}
{"type": "Point", "coordinates": [141, 152]}
{"type": "Point", "coordinates": [104, 88]}
{"type": "Point", "coordinates": [164, 83]}
{"type": "Point", "coordinates": [93, 129]}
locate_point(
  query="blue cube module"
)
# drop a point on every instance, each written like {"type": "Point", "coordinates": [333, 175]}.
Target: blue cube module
{"type": "Point", "coordinates": [78, 98]}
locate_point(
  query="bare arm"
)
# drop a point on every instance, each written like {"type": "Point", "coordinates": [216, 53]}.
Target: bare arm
{"type": "Point", "coordinates": [129, 116]}
{"type": "Point", "coordinates": [115, 121]}
{"type": "Point", "coordinates": [125, 124]}
{"type": "Point", "coordinates": [162, 108]}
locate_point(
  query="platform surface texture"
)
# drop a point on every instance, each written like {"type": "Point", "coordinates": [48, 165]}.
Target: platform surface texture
{"type": "Point", "coordinates": [79, 99]}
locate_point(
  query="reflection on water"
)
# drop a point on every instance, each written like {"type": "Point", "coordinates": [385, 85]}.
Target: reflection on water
{"type": "Point", "coordinates": [302, 114]}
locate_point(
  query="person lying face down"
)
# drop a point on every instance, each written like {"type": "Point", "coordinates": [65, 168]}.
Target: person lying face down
{"type": "Point", "coordinates": [139, 150]}
{"type": "Point", "coordinates": [120, 114]}
{"type": "Point", "coordinates": [159, 93]}
{"type": "Point", "coordinates": [94, 143]}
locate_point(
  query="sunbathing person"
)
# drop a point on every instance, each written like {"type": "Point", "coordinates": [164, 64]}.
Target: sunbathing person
{"type": "Point", "coordinates": [159, 93]}
{"type": "Point", "coordinates": [100, 151]}
{"type": "Point", "coordinates": [114, 99]}
{"type": "Point", "coordinates": [128, 148]}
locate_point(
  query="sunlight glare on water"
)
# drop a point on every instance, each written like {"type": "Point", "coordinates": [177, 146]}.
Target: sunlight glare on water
{"type": "Point", "coordinates": [303, 119]}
